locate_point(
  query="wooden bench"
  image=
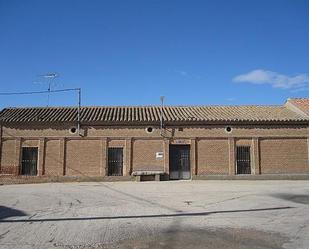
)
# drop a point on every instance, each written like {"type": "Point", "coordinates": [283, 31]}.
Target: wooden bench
{"type": "Point", "coordinates": [140, 174]}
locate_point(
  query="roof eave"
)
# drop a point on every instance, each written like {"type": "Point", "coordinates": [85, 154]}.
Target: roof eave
{"type": "Point", "coordinates": [157, 123]}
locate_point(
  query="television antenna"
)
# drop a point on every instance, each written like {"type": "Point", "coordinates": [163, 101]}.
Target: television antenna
{"type": "Point", "coordinates": [49, 78]}
{"type": "Point", "coordinates": [78, 90]}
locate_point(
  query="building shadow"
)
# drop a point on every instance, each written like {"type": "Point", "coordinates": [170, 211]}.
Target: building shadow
{"type": "Point", "coordinates": [142, 216]}
{"type": "Point", "coordinates": [6, 212]}
{"type": "Point", "coordinates": [302, 199]}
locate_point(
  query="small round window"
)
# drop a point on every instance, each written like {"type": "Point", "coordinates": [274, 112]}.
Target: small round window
{"type": "Point", "coordinates": [73, 130]}
{"type": "Point", "coordinates": [149, 129]}
{"type": "Point", "coordinates": [228, 129]}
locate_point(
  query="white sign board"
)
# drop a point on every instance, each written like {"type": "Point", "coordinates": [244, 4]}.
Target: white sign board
{"type": "Point", "coordinates": [159, 155]}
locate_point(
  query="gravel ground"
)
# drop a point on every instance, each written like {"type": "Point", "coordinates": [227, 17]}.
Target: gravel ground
{"type": "Point", "coordinates": [173, 214]}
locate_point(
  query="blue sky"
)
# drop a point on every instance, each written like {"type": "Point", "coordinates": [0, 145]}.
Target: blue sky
{"type": "Point", "coordinates": [131, 52]}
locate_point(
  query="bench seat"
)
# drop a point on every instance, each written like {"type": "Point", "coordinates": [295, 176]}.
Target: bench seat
{"type": "Point", "coordinates": [140, 173]}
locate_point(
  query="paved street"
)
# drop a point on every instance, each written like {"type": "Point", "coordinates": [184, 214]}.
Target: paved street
{"type": "Point", "coordinates": [174, 214]}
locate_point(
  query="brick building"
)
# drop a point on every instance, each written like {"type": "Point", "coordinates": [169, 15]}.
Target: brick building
{"type": "Point", "coordinates": [195, 140]}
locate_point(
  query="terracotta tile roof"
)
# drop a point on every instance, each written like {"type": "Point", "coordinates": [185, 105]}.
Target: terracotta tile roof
{"type": "Point", "coordinates": [301, 103]}
{"type": "Point", "coordinates": [148, 114]}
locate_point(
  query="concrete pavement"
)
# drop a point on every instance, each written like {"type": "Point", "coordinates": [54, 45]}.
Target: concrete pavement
{"type": "Point", "coordinates": [174, 214]}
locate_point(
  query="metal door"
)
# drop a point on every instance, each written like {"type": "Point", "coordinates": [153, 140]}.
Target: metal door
{"type": "Point", "coordinates": [179, 156]}
{"type": "Point", "coordinates": [29, 161]}
{"type": "Point", "coordinates": [243, 160]}
{"type": "Point", "coordinates": [115, 161]}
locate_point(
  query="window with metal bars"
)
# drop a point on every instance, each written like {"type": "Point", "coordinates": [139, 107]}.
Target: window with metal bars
{"type": "Point", "coordinates": [115, 161]}
{"type": "Point", "coordinates": [29, 161]}
{"type": "Point", "coordinates": [243, 162]}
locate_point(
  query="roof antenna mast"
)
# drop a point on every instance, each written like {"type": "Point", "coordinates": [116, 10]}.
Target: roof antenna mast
{"type": "Point", "coordinates": [50, 77]}
{"type": "Point", "coordinates": [79, 110]}
{"type": "Point", "coordinates": [161, 115]}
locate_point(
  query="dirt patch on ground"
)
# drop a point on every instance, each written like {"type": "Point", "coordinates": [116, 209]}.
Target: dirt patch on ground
{"type": "Point", "coordinates": [303, 199]}
{"type": "Point", "coordinates": [231, 238]}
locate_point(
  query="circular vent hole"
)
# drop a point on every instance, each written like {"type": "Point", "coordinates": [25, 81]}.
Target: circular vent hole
{"type": "Point", "coordinates": [228, 129]}
{"type": "Point", "coordinates": [73, 130]}
{"type": "Point", "coordinates": [149, 129]}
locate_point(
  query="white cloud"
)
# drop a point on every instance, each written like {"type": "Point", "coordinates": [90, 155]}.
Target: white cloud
{"type": "Point", "coordinates": [276, 80]}
{"type": "Point", "coordinates": [187, 74]}
{"type": "Point", "coordinates": [183, 73]}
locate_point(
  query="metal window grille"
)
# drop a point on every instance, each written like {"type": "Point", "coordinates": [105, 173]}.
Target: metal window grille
{"type": "Point", "coordinates": [115, 161]}
{"type": "Point", "coordinates": [243, 160]}
{"type": "Point", "coordinates": [29, 161]}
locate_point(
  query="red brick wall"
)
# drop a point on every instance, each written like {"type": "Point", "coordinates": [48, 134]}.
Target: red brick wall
{"type": "Point", "coordinates": [53, 163]}
{"type": "Point", "coordinates": [284, 156]}
{"type": "Point", "coordinates": [282, 149]}
{"type": "Point", "coordinates": [8, 157]}
{"type": "Point", "coordinates": [30, 143]}
{"type": "Point", "coordinates": [83, 157]}
{"type": "Point", "coordinates": [213, 156]}
{"type": "Point", "coordinates": [207, 131]}
{"type": "Point", "coordinates": [144, 154]}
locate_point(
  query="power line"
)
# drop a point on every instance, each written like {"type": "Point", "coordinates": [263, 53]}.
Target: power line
{"type": "Point", "coordinates": [55, 91]}
{"type": "Point", "coordinates": [40, 92]}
